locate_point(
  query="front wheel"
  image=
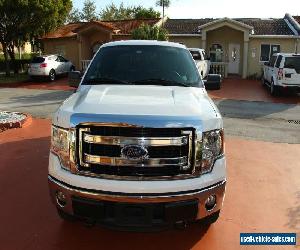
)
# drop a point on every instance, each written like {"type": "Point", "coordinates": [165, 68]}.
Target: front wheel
{"type": "Point", "coordinates": [52, 75]}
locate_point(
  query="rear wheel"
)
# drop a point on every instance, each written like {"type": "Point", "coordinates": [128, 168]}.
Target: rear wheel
{"type": "Point", "coordinates": [263, 81]}
{"type": "Point", "coordinates": [275, 91]}
{"type": "Point", "coordinates": [52, 75]}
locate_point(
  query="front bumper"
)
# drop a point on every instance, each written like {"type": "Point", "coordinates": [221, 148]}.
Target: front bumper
{"type": "Point", "coordinates": [123, 210]}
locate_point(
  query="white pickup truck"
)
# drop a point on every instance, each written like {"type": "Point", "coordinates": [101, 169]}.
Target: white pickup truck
{"type": "Point", "coordinates": [203, 65]}
{"type": "Point", "coordinates": [282, 72]}
{"type": "Point", "coordinates": [140, 145]}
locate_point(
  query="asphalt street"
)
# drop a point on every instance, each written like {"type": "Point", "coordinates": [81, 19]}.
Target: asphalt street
{"type": "Point", "coordinates": [273, 122]}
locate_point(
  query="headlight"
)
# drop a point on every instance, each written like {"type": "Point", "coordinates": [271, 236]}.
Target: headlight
{"type": "Point", "coordinates": [210, 149]}
{"type": "Point", "coordinates": [62, 144]}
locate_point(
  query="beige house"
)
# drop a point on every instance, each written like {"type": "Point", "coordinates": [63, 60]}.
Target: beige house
{"type": "Point", "coordinates": [79, 41]}
{"type": "Point", "coordinates": [235, 46]}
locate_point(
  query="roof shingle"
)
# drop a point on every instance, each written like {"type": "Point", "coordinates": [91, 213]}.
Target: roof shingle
{"type": "Point", "coordinates": [261, 26]}
{"type": "Point", "coordinates": [123, 26]}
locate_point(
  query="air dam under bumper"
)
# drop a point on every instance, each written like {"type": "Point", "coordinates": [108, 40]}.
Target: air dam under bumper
{"type": "Point", "coordinates": [136, 211]}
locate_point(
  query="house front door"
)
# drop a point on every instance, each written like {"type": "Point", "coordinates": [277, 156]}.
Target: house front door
{"type": "Point", "coordinates": [234, 58]}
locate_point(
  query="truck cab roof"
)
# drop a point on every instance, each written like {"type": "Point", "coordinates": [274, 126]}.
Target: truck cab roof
{"type": "Point", "coordinates": [145, 43]}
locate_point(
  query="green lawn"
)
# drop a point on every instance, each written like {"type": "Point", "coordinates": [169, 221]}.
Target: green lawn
{"type": "Point", "coordinates": [13, 78]}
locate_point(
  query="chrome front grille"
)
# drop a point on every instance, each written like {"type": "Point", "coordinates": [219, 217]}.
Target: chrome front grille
{"type": "Point", "coordinates": [169, 151]}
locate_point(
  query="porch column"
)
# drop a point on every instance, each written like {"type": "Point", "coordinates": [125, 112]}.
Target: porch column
{"type": "Point", "coordinates": [245, 54]}
{"type": "Point", "coordinates": [79, 40]}
{"type": "Point", "coordinates": [203, 38]}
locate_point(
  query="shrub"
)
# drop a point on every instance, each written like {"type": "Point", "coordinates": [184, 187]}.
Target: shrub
{"type": "Point", "coordinates": [146, 32]}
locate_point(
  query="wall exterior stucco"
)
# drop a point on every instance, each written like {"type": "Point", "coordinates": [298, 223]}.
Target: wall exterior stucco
{"type": "Point", "coordinates": [68, 47]}
{"type": "Point", "coordinates": [190, 42]}
{"type": "Point", "coordinates": [287, 45]}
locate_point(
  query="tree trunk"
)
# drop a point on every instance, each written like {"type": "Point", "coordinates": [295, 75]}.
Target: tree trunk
{"type": "Point", "coordinates": [12, 56]}
{"type": "Point", "coordinates": [7, 68]}
{"type": "Point", "coordinates": [163, 5]}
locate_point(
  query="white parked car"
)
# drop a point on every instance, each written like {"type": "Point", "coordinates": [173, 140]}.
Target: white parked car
{"type": "Point", "coordinates": [49, 66]}
{"type": "Point", "coordinates": [140, 145]}
{"type": "Point", "coordinates": [282, 72]}
{"type": "Point", "coordinates": [202, 63]}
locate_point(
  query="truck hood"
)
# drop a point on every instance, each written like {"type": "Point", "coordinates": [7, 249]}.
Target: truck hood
{"type": "Point", "coordinates": [118, 102]}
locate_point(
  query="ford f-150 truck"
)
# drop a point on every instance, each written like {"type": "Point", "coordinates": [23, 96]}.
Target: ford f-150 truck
{"type": "Point", "coordinates": [203, 65]}
{"type": "Point", "coordinates": [139, 145]}
{"type": "Point", "coordinates": [282, 72]}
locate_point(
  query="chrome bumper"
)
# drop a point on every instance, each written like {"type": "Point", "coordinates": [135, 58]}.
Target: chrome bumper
{"type": "Point", "coordinates": [200, 195]}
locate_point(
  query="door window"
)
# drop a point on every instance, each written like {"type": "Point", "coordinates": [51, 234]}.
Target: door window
{"type": "Point", "coordinates": [216, 53]}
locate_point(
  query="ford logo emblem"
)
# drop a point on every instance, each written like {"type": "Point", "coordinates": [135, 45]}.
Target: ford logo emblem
{"type": "Point", "coordinates": [134, 152]}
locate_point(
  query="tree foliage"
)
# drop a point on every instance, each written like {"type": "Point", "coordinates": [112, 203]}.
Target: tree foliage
{"type": "Point", "coordinates": [164, 4]}
{"type": "Point", "coordinates": [74, 16]}
{"type": "Point", "coordinates": [88, 12]}
{"type": "Point", "coordinates": [147, 32]}
{"type": "Point", "coordinates": [113, 12]}
{"type": "Point", "coordinates": [144, 13]}
{"type": "Point", "coordinates": [22, 20]}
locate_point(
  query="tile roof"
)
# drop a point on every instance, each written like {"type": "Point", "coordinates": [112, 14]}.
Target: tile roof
{"type": "Point", "coordinates": [64, 31]}
{"type": "Point", "coordinates": [122, 26]}
{"type": "Point", "coordinates": [261, 26]}
{"type": "Point", "coordinates": [297, 18]}
{"type": "Point", "coordinates": [185, 26]}
{"type": "Point", "coordinates": [268, 26]}
{"type": "Point", "coordinates": [127, 26]}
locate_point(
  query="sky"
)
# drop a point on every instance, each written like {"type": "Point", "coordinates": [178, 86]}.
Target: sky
{"type": "Point", "coordinates": [214, 8]}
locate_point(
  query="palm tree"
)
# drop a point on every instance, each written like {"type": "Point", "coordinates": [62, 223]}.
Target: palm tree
{"type": "Point", "coordinates": [164, 4]}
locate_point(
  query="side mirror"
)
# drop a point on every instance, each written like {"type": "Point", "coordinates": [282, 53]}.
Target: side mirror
{"type": "Point", "coordinates": [74, 78]}
{"type": "Point", "coordinates": [213, 82]}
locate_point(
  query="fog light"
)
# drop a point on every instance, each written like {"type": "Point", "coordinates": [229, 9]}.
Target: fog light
{"type": "Point", "coordinates": [61, 199]}
{"type": "Point", "coordinates": [210, 202]}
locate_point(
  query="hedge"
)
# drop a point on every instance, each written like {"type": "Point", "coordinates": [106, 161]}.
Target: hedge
{"type": "Point", "coordinates": [22, 65]}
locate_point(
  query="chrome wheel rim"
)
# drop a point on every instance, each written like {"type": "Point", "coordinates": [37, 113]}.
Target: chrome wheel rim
{"type": "Point", "coordinates": [52, 76]}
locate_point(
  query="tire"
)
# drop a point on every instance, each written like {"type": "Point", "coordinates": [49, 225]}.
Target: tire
{"type": "Point", "coordinates": [263, 81]}
{"type": "Point", "coordinates": [274, 90]}
{"type": "Point", "coordinates": [64, 216]}
{"type": "Point", "coordinates": [52, 75]}
{"type": "Point", "coordinates": [72, 68]}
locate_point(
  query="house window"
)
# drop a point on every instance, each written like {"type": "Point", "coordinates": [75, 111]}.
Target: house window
{"type": "Point", "coordinates": [216, 53]}
{"type": "Point", "coordinates": [267, 50]}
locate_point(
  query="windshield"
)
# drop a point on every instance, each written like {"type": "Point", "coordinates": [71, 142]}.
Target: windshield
{"type": "Point", "coordinates": [292, 62]}
{"type": "Point", "coordinates": [38, 59]}
{"type": "Point", "coordinates": [196, 54]}
{"type": "Point", "coordinates": [145, 64]}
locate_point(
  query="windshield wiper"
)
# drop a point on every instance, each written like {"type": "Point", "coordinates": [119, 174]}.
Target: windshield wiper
{"type": "Point", "coordinates": [161, 81]}
{"type": "Point", "coordinates": [100, 80]}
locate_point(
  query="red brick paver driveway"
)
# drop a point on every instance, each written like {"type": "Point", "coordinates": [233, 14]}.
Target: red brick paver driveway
{"type": "Point", "coordinates": [59, 84]}
{"type": "Point", "coordinates": [250, 90]}
{"type": "Point", "coordinates": [262, 196]}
